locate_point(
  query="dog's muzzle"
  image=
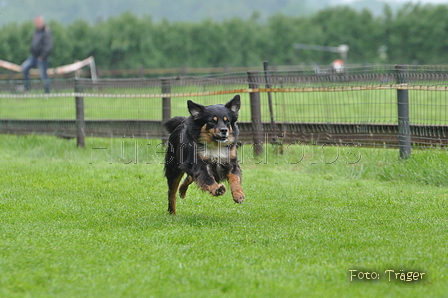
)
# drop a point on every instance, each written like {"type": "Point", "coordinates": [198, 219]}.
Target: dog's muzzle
{"type": "Point", "coordinates": [222, 136]}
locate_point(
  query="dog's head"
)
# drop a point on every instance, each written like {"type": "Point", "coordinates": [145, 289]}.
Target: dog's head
{"type": "Point", "coordinates": [217, 122]}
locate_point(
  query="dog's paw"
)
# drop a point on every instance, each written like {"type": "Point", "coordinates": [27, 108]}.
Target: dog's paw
{"type": "Point", "coordinates": [183, 191]}
{"type": "Point", "coordinates": [239, 199]}
{"type": "Point", "coordinates": [238, 195]}
{"type": "Point", "coordinates": [220, 190]}
{"type": "Point", "coordinates": [182, 194]}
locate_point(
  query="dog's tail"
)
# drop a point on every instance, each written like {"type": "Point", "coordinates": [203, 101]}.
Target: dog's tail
{"type": "Point", "coordinates": [171, 124]}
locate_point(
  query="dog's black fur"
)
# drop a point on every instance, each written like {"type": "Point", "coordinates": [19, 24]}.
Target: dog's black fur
{"type": "Point", "coordinates": [203, 146]}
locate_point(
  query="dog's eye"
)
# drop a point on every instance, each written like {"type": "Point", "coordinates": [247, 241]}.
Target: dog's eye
{"type": "Point", "coordinates": [213, 121]}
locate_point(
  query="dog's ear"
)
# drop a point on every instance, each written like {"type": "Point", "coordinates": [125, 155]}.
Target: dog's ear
{"type": "Point", "coordinates": [195, 109]}
{"type": "Point", "coordinates": [235, 104]}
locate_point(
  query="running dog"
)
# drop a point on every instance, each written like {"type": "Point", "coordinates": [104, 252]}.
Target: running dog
{"type": "Point", "coordinates": [204, 146]}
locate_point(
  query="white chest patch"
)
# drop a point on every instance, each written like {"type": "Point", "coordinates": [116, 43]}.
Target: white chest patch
{"type": "Point", "coordinates": [219, 154]}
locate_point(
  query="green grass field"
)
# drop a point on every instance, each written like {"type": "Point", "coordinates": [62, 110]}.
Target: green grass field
{"type": "Point", "coordinates": [93, 223]}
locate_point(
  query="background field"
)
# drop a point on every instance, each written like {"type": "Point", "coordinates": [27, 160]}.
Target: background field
{"type": "Point", "coordinates": [93, 223]}
{"type": "Point", "coordinates": [367, 106]}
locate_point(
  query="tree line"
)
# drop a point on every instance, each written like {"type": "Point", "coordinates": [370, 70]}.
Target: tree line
{"type": "Point", "coordinates": [416, 34]}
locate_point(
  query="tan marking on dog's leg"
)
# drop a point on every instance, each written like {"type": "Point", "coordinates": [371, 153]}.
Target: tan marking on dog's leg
{"type": "Point", "coordinates": [215, 189]}
{"type": "Point", "coordinates": [184, 186]}
{"type": "Point", "coordinates": [172, 190]}
{"type": "Point", "coordinates": [235, 188]}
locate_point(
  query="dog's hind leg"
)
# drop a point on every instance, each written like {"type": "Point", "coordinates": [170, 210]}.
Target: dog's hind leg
{"type": "Point", "coordinates": [184, 186]}
{"type": "Point", "coordinates": [173, 184]}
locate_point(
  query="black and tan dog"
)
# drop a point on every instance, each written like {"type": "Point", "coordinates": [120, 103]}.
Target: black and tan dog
{"type": "Point", "coordinates": [203, 146]}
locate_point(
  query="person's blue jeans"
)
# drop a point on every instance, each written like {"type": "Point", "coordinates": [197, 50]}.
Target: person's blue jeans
{"type": "Point", "coordinates": [32, 62]}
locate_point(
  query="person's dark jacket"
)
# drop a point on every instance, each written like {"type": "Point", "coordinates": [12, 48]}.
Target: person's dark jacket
{"type": "Point", "coordinates": [42, 43]}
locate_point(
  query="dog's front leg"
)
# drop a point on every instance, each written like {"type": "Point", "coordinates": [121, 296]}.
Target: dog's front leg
{"type": "Point", "coordinates": [234, 178]}
{"type": "Point", "coordinates": [206, 182]}
{"type": "Point", "coordinates": [216, 189]}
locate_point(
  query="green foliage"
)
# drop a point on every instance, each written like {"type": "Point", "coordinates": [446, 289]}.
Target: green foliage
{"type": "Point", "coordinates": [15, 42]}
{"type": "Point", "coordinates": [131, 41]}
{"type": "Point", "coordinates": [419, 34]}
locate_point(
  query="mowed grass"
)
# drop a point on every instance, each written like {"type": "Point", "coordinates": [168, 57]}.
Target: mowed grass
{"type": "Point", "coordinates": [93, 223]}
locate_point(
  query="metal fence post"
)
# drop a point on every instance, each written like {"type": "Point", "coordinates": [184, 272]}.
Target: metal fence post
{"type": "Point", "coordinates": [80, 123]}
{"type": "Point", "coordinates": [404, 128]}
{"type": "Point", "coordinates": [166, 106]}
{"type": "Point", "coordinates": [255, 110]}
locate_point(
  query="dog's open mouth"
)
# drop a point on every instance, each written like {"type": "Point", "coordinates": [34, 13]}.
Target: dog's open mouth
{"type": "Point", "coordinates": [220, 139]}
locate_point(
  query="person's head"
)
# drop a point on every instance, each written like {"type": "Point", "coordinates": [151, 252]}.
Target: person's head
{"type": "Point", "coordinates": [39, 22]}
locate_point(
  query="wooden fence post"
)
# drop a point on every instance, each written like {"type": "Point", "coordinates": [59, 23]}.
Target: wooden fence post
{"type": "Point", "coordinates": [404, 127]}
{"type": "Point", "coordinates": [255, 110]}
{"type": "Point", "coordinates": [80, 123]}
{"type": "Point", "coordinates": [166, 106]}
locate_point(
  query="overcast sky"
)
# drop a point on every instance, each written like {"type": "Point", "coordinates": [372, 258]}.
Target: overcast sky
{"type": "Point", "coordinates": [425, 1]}
{"type": "Point", "coordinates": [404, 1]}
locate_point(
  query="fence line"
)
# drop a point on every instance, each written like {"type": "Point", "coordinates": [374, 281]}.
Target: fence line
{"type": "Point", "coordinates": [234, 91]}
{"type": "Point", "coordinates": [360, 106]}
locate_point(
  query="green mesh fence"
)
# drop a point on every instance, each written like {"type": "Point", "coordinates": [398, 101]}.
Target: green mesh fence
{"type": "Point", "coordinates": [359, 104]}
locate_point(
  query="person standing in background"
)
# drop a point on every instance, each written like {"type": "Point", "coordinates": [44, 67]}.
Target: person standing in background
{"type": "Point", "coordinates": [41, 47]}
